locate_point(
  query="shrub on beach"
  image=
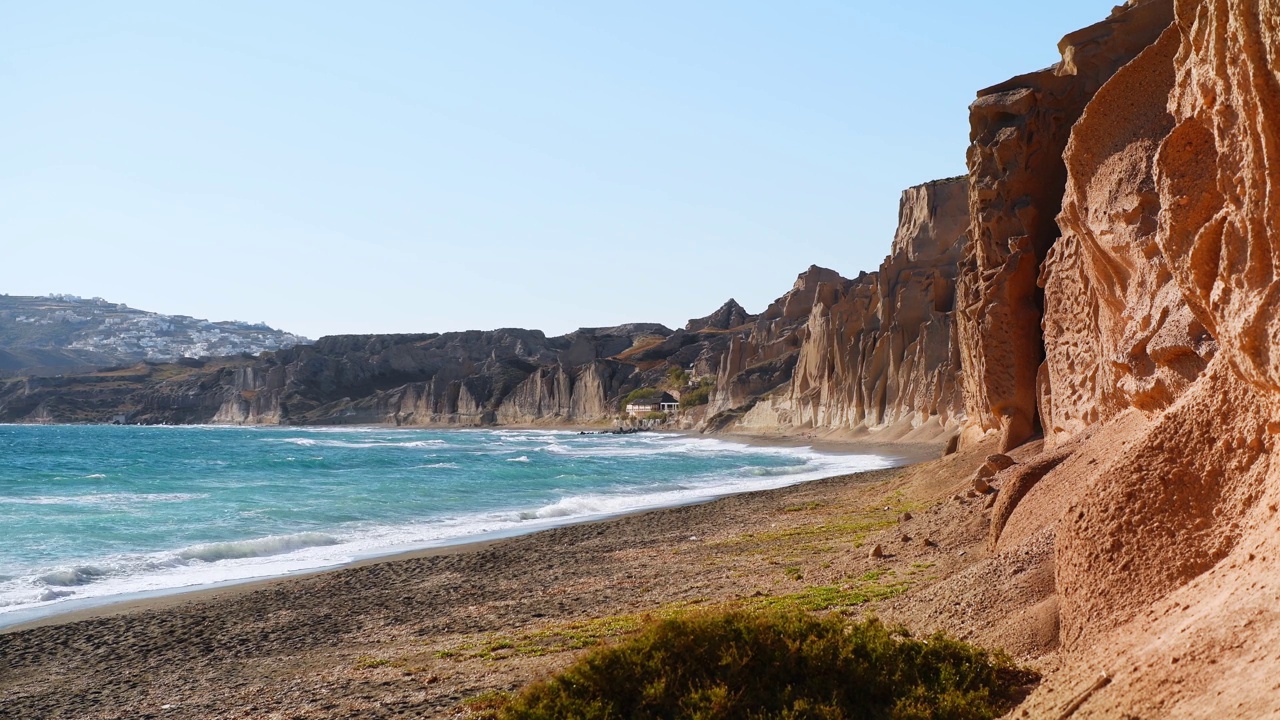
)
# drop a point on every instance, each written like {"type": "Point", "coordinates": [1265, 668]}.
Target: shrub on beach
{"type": "Point", "coordinates": [777, 665]}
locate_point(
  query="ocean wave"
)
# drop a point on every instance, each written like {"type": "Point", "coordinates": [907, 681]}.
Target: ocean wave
{"type": "Point", "coordinates": [440, 465]}
{"type": "Point", "coordinates": [71, 577]}
{"type": "Point", "coordinates": [521, 459]}
{"type": "Point", "coordinates": [261, 547]}
{"type": "Point", "coordinates": [310, 442]}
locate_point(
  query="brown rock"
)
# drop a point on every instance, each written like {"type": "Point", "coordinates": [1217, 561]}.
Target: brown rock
{"type": "Point", "coordinates": [904, 517]}
{"type": "Point", "coordinates": [953, 445]}
{"type": "Point", "coordinates": [996, 463]}
{"type": "Point", "coordinates": [876, 551]}
{"type": "Point", "coordinates": [980, 484]}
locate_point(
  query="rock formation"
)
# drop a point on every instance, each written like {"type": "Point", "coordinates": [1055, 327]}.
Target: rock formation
{"type": "Point", "coordinates": [1019, 131]}
{"type": "Point", "coordinates": [885, 350]}
{"type": "Point", "coordinates": [730, 315]}
{"type": "Point", "coordinates": [1202, 469]}
{"type": "Point", "coordinates": [1117, 331]}
{"type": "Point", "coordinates": [869, 352]}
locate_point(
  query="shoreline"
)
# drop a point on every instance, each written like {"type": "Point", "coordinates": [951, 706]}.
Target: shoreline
{"type": "Point", "coordinates": [424, 634]}
{"type": "Point", "coordinates": [899, 455]}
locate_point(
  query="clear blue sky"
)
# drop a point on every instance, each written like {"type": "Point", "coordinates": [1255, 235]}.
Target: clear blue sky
{"type": "Point", "coordinates": [428, 166]}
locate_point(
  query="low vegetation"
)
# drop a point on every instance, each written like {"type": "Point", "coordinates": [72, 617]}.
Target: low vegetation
{"type": "Point", "coordinates": [766, 664]}
{"type": "Point", "coordinates": [677, 376]}
{"type": "Point", "coordinates": [699, 395]}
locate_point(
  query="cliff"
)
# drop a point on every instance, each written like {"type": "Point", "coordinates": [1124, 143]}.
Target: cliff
{"type": "Point", "coordinates": [475, 378]}
{"type": "Point", "coordinates": [1017, 175]}
{"type": "Point", "coordinates": [871, 352]}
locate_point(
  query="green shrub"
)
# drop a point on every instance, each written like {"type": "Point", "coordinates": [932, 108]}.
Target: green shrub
{"type": "Point", "coordinates": [773, 665]}
{"type": "Point", "coordinates": [638, 394]}
{"type": "Point", "coordinates": [677, 376]}
{"type": "Point", "coordinates": [659, 416]}
{"type": "Point", "coordinates": [694, 398]}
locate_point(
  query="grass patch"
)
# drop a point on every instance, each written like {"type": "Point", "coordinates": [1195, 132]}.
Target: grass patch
{"type": "Point", "coordinates": [368, 661]}
{"type": "Point", "coordinates": [488, 705]}
{"type": "Point", "coordinates": [770, 664]}
{"type": "Point", "coordinates": [865, 589]}
{"type": "Point", "coordinates": [547, 641]}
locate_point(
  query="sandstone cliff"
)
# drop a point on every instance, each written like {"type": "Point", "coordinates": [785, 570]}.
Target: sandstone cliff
{"type": "Point", "coordinates": [874, 351]}
{"type": "Point", "coordinates": [1158, 389]}
{"type": "Point", "coordinates": [1019, 131]}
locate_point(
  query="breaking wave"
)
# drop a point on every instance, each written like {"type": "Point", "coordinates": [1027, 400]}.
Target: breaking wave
{"type": "Point", "coordinates": [262, 547]}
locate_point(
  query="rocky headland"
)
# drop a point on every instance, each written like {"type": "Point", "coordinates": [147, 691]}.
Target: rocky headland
{"type": "Point", "coordinates": [1086, 320]}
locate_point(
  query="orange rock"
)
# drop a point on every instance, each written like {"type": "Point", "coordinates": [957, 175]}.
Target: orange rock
{"type": "Point", "coordinates": [1019, 130]}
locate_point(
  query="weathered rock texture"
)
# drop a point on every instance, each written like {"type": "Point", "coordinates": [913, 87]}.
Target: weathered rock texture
{"type": "Point", "coordinates": [1161, 337]}
{"type": "Point", "coordinates": [869, 352]}
{"type": "Point", "coordinates": [1117, 331]}
{"type": "Point", "coordinates": [1019, 131]}
{"type": "Point", "coordinates": [1193, 479]}
{"type": "Point", "coordinates": [884, 351]}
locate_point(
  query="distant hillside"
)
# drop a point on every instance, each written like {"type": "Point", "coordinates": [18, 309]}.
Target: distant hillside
{"type": "Point", "coordinates": [60, 333]}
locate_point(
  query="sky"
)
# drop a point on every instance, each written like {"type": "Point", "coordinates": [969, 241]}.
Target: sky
{"type": "Point", "coordinates": [344, 167]}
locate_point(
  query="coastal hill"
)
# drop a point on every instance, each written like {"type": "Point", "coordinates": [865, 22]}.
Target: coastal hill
{"type": "Point", "coordinates": [65, 333]}
{"type": "Point", "coordinates": [1086, 321]}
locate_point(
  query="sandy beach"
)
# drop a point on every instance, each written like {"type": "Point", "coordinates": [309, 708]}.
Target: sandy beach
{"type": "Point", "coordinates": [429, 634]}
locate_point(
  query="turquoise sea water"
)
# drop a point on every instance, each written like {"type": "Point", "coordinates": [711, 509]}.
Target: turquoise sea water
{"type": "Point", "coordinates": [94, 512]}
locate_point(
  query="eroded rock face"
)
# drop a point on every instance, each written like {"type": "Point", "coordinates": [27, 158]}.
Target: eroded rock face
{"type": "Point", "coordinates": [884, 350]}
{"type": "Point", "coordinates": [1117, 331]}
{"type": "Point", "coordinates": [1196, 491]}
{"type": "Point", "coordinates": [762, 361]}
{"type": "Point", "coordinates": [872, 351]}
{"type": "Point", "coordinates": [730, 315]}
{"type": "Point", "coordinates": [1019, 132]}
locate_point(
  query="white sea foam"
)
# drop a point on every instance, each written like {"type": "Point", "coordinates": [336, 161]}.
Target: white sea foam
{"type": "Point", "coordinates": [309, 442]}
{"type": "Point", "coordinates": [521, 459]}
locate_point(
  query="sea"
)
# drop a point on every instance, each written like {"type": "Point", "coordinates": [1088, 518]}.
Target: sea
{"type": "Point", "coordinates": [95, 513]}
